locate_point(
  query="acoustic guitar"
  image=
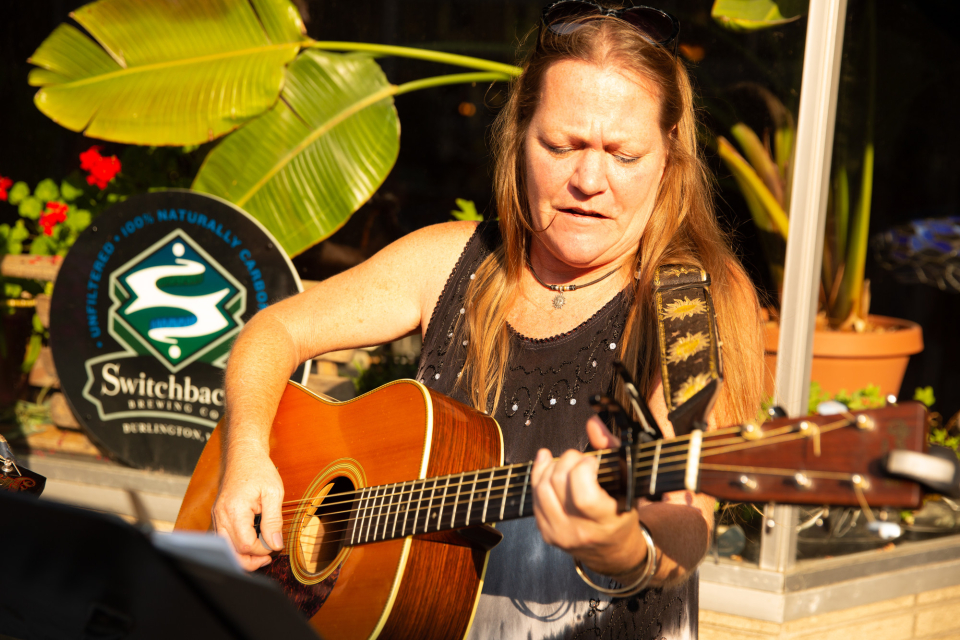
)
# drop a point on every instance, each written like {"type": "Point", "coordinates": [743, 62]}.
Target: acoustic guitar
{"type": "Point", "coordinates": [389, 496]}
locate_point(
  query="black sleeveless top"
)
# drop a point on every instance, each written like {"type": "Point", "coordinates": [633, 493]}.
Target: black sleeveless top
{"type": "Point", "coordinates": [531, 589]}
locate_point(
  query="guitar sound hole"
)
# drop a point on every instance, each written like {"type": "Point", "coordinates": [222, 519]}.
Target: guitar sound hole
{"type": "Point", "coordinates": [324, 525]}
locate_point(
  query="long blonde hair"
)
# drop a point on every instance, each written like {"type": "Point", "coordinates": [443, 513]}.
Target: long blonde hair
{"type": "Point", "coordinates": [682, 228]}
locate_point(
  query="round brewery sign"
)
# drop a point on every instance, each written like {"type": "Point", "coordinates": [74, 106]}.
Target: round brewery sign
{"type": "Point", "coordinates": [145, 309]}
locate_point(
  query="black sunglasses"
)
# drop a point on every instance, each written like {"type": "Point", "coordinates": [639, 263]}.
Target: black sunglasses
{"type": "Point", "coordinates": [566, 16]}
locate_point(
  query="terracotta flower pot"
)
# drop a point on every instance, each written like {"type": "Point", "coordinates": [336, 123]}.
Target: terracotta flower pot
{"type": "Point", "coordinates": [850, 361]}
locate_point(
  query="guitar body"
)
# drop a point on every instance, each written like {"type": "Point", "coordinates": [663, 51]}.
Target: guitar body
{"type": "Point", "coordinates": [423, 586]}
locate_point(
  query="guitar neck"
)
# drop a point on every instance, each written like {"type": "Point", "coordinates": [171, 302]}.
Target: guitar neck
{"type": "Point", "coordinates": [476, 497]}
{"type": "Point", "coordinates": [813, 460]}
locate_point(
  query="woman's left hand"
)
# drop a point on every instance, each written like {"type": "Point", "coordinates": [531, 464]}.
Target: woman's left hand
{"type": "Point", "coordinates": [575, 514]}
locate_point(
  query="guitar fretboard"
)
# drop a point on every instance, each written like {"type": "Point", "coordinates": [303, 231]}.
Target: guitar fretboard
{"type": "Point", "coordinates": [450, 502]}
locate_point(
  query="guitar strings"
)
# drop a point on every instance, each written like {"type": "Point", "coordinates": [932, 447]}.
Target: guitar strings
{"type": "Point", "coordinates": [648, 445]}
{"type": "Point", "coordinates": [674, 446]}
{"type": "Point", "coordinates": [376, 528]}
{"type": "Point", "coordinates": [482, 476]}
{"type": "Point", "coordinates": [474, 479]}
{"type": "Point", "coordinates": [376, 510]}
{"type": "Point", "coordinates": [375, 502]}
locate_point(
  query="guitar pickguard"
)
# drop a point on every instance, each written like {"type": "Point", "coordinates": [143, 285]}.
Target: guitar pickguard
{"type": "Point", "coordinates": [308, 598]}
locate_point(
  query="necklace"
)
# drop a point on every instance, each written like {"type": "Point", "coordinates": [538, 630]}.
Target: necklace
{"type": "Point", "coordinates": [559, 300]}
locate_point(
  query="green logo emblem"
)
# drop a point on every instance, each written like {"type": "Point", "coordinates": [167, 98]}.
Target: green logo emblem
{"type": "Point", "coordinates": [176, 302]}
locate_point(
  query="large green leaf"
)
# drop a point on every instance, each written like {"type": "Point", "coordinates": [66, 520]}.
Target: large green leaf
{"type": "Point", "coordinates": [305, 166]}
{"type": "Point", "coordinates": [166, 72]}
{"type": "Point", "coordinates": [753, 15]}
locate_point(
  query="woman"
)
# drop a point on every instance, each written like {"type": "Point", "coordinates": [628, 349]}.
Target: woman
{"type": "Point", "coordinates": [598, 182]}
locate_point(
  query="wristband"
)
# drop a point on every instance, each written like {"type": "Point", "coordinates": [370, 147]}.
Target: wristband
{"type": "Point", "coordinates": [648, 571]}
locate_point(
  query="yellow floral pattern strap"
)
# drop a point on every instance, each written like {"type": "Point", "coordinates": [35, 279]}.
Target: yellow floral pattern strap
{"type": "Point", "coordinates": [689, 345]}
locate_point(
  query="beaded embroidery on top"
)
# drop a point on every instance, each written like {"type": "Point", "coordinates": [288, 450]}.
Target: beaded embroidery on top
{"type": "Point", "coordinates": [545, 403]}
{"type": "Point", "coordinates": [558, 373]}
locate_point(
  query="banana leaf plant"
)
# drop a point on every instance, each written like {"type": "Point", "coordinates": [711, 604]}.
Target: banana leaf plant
{"type": "Point", "coordinates": [762, 168]}
{"type": "Point", "coordinates": [310, 134]}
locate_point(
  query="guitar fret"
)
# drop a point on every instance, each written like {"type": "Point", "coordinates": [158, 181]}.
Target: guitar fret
{"type": "Point", "coordinates": [376, 526]}
{"type": "Point", "coordinates": [456, 500]}
{"type": "Point", "coordinates": [373, 506]}
{"type": "Point", "coordinates": [361, 506]}
{"type": "Point", "coordinates": [523, 494]}
{"type": "Point", "coordinates": [426, 515]}
{"type": "Point", "coordinates": [430, 512]}
{"type": "Point", "coordinates": [416, 512]}
{"type": "Point", "coordinates": [385, 510]}
{"type": "Point", "coordinates": [406, 512]}
{"type": "Point", "coordinates": [354, 507]}
{"type": "Point", "coordinates": [396, 510]}
{"type": "Point", "coordinates": [365, 519]}
{"type": "Point", "coordinates": [443, 502]}
{"type": "Point", "coordinates": [473, 491]}
{"type": "Point", "coordinates": [506, 486]}
{"type": "Point", "coordinates": [486, 500]}
{"type": "Point", "coordinates": [386, 514]}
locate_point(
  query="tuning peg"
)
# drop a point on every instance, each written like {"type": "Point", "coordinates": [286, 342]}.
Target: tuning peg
{"type": "Point", "coordinates": [776, 411]}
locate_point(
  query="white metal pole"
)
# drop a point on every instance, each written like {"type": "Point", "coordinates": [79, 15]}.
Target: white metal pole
{"type": "Point", "coordinates": [808, 211]}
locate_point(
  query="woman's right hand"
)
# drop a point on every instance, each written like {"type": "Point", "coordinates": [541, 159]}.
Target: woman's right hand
{"type": "Point", "coordinates": [250, 486]}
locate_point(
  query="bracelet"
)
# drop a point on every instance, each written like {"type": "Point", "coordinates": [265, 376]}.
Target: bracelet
{"type": "Point", "coordinates": [648, 571]}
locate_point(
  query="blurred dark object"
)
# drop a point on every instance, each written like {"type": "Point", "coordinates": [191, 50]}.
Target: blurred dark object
{"type": "Point", "coordinates": [922, 251]}
{"type": "Point", "coordinates": [939, 516]}
{"type": "Point", "coordinates": [731, 540]}
{"type": "Point", "coordinates": [72, 573]}
{"type": "Point", "coordinates": [835, 531]}
{"type": "Point", "coordinates": [16, 325]}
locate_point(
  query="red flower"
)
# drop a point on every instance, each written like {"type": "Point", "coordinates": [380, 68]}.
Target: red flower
{"type": "Point", "coordinates": [5, 183]}
{"type": "Point", "coordinates": [54, 214]}
{"type": "Point", "coordinates": [102, 170]}
{"type": "Point", "coordinates": [89, 158]}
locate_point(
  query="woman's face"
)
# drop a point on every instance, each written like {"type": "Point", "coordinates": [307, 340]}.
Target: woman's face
{"type": "Point", "coordinates": [594, 158]}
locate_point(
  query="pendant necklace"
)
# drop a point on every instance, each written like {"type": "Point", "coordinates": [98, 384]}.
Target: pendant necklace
{"type": "Point", "coordinates": [559, 300]}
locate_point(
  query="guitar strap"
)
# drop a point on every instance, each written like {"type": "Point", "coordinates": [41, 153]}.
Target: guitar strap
{"type": "Point", "coordinates": [689, 345]}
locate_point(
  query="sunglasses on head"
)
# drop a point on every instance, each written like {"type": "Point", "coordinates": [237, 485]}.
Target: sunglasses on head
{"type": "Point", "coordinates": [658, 27]}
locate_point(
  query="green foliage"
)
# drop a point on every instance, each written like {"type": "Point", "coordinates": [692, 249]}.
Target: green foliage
{"type": "Point", "coordinates": [867, 398]}
{"type": "Point", "coordinates": [11, 238]}
{"type": "Point", "coordinates": [753, 15]}
{"type": "Point", "coordinates": [12, 289]}
{"type": "Point", "coordinates": [69, 191]}
{"type": "Point", "coordinates": [466, 211]}
{"type": "Point", "coordinates": [30, 207]}
{"type": "Point", "coordinates": [47, 190]}
{"type": "Point", "coordinates": [924, 395]}
{"type": "Point", "coordinates": [941, 436]}
{"type": "Point", "coordinates": [763, 173]}
{"type": "Point", "coordinates": [18, 192]}
{"type": "Point", "coordinates": [305, 166]}
{"type": "Point", "coordinates": [147, 59]}
{"type": "Point", "coordinates": [185, 73]}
